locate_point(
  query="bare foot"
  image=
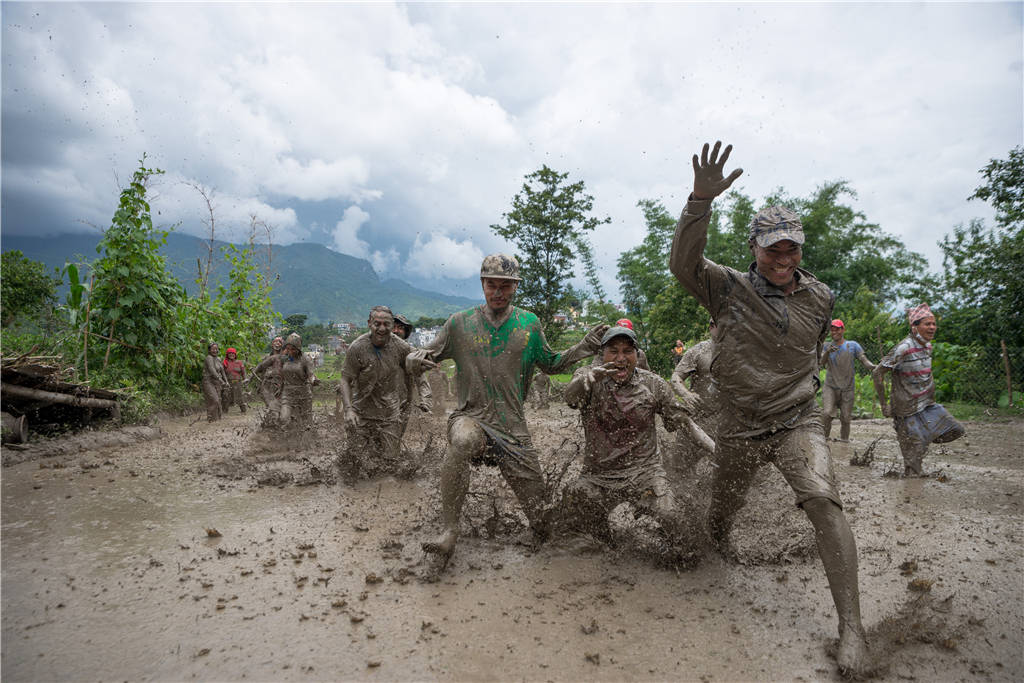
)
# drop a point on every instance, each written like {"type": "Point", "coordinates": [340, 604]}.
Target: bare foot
{"type": "Point", "coordinates": [443, 544]}
{"type": "Point", "coordinates": [852, 654]}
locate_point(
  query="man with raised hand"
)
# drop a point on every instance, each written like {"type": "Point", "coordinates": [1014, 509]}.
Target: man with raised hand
{"type": "Point", "coordinates": [916, 417]}
{"type": "Point", "coordinates": [772, 320]}
{"type": "Point", "coordinates": [495, 347]}
{"type": "Point", "coordinates": [837, 358]}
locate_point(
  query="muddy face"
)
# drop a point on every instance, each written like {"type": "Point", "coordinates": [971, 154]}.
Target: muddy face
{"type": "Point", "coordinates": [213, 350]}
{"type": "Point", "coordinates": [401, 331]}
{"type": "Point", "coordinates": [621, 354]}
{"type": "Point", "coordinates": [277, 344]}
{"type": "Point", "coordinates": [837, 334]}
{"type": "Point", "coordinates": [291, 351]}
{"type": "Point", "coordinates": [778, 263]}
{"type": "Point", "coordinates": [499, 292]}
{"type": "Point", "coordinates": [926, 328]}
{"type": "Point", "coordinates": [381, 324]}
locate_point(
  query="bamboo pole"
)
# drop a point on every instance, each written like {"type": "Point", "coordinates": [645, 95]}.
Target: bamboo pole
{"type": "Point", "coordinates": [1006, 366]}
{"type": "Point", "coordinates": [55, 397]}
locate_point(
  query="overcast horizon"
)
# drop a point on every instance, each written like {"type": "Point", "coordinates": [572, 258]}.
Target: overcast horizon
{"type": "Point", "coordinates": [400, 133]}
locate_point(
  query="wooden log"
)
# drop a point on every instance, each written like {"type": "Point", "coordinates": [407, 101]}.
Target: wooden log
{"type": "Point", "coordinates": [14, 429]}
{"type": "Point", "coordinates": [66, 399]}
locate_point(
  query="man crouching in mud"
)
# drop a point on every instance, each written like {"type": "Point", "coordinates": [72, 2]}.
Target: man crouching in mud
{"type": "Point", "coordinates": [622, 461]}
{"type": "Point", "coordinates": [772, 321]}
{"type": "Point", "coordinates": [495, 347]}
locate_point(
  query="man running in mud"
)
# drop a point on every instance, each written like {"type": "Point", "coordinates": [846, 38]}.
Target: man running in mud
{"type": "Point", "coordinates": [374, 368]}
{"type": "Point", "coordinates": [772, 321]}
{"type": "Point", "coordinates": [297, 381]}
{"type": "Point", "coordinates": [495, 347]}
{"type": "Point", "coordinates": [421, 396]}
{"type": "Point", "coordinates": [269, 374]}
{"type": "Point", "coordinates": [916, 417]}
{"type": "Point", "coordinates": [235, 371]}
{"type": "Point", "coordinates": [621, 461]}
{"type": "Point", "coordinates": [837, 357]}
{"type": "Point", "coordinates": [214, 382]}
{"type": "Point", "coordinates": [541, 389]}
{"type": "Point", "coordinates": [700, 400]}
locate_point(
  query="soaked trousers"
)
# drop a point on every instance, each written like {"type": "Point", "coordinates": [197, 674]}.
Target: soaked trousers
{"type": "Point", "coordinates": [934, 424]}
{"type": "Point", "coordinates": [212, 395]}
{"type": "Point", "coordinates": [588, 500]}
{"type": "Point", "coordinates": [374, 447]}
{"type": "Point", "coordinates": [238, 394]}
{"type": "Point", "coordinates": [831, 398]}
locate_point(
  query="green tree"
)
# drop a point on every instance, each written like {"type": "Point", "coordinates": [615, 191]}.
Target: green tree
{"type": "Point", "coordinates": [547, 223]}
{"type": "Point", "coordinates": [26, 289]}
{"type": "Point", "coordinates": [134, 300]}
{"type": "Point", "coordinates": [983, 290]}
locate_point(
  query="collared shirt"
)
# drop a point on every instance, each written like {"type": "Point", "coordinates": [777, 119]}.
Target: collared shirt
{"type": "Point", "coordinates": [839, 363]}
{"type": "Point", "coordinates": [766, 360]}
{"type": "Point", "coordinates": [494, 366]}
{"type": "Point", "coordinates": [374, 375]}
{"type": "Point", "coordinates": [913, 387]}
{"type": "Point", "coordinates": [618, 421]}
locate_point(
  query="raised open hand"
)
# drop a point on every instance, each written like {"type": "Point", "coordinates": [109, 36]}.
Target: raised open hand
{"type": "Point", "coordinates": [708, 180]}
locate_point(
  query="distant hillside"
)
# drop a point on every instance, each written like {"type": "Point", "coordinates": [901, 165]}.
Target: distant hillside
{"type": "Point", "coordinates": [314, 280]}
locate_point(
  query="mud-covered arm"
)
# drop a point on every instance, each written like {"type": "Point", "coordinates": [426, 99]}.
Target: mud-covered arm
{"type": "Point", "coordinates": [263, 366]}
{"type": "Point", "coordinates": [884, 367]}
{"type": "Point", "coordinates": [699, 276]}
{"type": "Point", "coordinates": [346, 388]}
{"type": "Point", "coordinates": [826, 348]}
{"type": "Point", "coordinates": [420, 360]}
{"type": "Point", "coordinates": [863, 358]}
{"type": "Point", "coordinates": [551, 363]}
{"type": "Point", "coordinates": [577, 391]}
{"type": "Point", "coordinates": [684, 368]}
{"type": "Point", "coordinates": [426, 395]}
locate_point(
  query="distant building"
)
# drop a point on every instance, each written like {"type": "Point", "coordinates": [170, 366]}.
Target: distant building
{"type": "Point", "coordinates": [346, 328]}
{"type": "Point", "coordinates": [334, 343]}
{"type": "Point", "coordinates": [423, 336]}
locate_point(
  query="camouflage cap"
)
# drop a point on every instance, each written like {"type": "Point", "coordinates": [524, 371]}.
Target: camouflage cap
{"type": "Point", "coordinates": [500, 266]}
{"type": "Point", "coordinates": [293, 339]}
{"type": "Point", "coordinates": [774, 224]}
{"type": "Point", "coordinates": [614, 332]}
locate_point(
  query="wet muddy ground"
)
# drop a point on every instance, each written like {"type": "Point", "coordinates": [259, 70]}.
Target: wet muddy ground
{"type": "Point", "coordinates": [211, 552]}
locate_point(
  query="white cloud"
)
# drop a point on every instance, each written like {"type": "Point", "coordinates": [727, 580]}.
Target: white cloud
{"type": "Point", "coordinates": [346, 233]}
{"type": "Point", "coordinates": [441, 256]}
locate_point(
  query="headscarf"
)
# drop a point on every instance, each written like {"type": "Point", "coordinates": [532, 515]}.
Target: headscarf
{"type": "Point", "coordinates": [919, 313]}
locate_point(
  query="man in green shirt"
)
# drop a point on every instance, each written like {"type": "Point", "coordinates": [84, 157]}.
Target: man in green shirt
{"type": "Point", "coordinates": [496, 347]}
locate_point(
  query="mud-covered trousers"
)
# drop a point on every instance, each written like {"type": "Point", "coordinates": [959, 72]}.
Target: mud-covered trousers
{"type": "Point", "coordinates": [374, 446]}
{"type": "Point", "coordinates": [212, 395]}
{"type": "Point", "coordinates": [831, 398]}
{"type": "Point", "coordinates": [934, 424]}
{"type": "Point", "coordinates": [237, 394]}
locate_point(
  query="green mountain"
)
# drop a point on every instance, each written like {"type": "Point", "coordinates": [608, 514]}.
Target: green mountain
{"type": "Point", "coordinates": [312, 279]}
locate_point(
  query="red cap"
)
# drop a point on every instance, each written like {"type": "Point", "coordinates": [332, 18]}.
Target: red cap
{"type": "Point", "coordinates": [624, 322]}
{"type": "Point", "coordinates": [230, 350]}
{"type": "Point", "coordinates": [838, 323]}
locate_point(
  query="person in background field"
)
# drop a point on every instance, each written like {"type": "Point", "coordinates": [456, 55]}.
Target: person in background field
{"type": "Point", "coordinates": [772, 320]}
{"type": "Point", "coordinates": [371, 378]}
{"type": "Point", "coordinates": [235, 371]}
{"type": "Point", "coordinates": [621, 461]}
{"type": "Point", "coordinates": [269, 373]}
{"type": "Point", "coordinates": [214, 382]}
{"type": "Point", "coordinates": [837, 357]}
{"type": "Point", "coordinates": [678, 350]}
{"type": "Point", "coordinates": [495, 347]}
{"type": "Point", "coordinates": [421, 395]}
{"type": "Point", "coordinates": [916, 417]}
{"type": "Point", "coordinates": [297, 379]}
{"type": "Point", "coordinates": [641, 361]}
{"type": "Point", "coordinates": [541, 390]}
{"type": "Point", "coordinates": [700, 400]}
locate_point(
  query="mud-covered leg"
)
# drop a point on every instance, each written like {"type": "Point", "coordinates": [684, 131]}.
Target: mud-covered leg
{"type": "Point", "coordinates": [522, 471]}
{"type": "Point", "coordinates": [838, 552]}
{"type": "Point", "coordinates": [912, 449]}
{"type": "Point", "coordinates": [845, 415]}
{"type": "Point", "coordinates": [465, 440]}
{"type": "Point", "coordinates": [736, 464]}
{"type": "Point", "coordinates": [828, 406]}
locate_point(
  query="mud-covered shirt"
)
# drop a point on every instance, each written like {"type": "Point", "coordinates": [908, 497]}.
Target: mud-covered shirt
{"type": "Point", "coordinates": [838, 361]}
{"type": "Point", "coordinates": [494, 366]}
{"type": "Point", "coordinates": [618, 422]}
{"type": "Point", "coordinates": [374, 375]}
{"type": "Point", "coordinates": [913, 387]}
{"type": "Point", "coordinates": [296, 377]}
{"type": "Point", "coordinates": [766, 360]}
{"type": "Point", "coordinates": [213, 371]}
{"type": "Point", "coordinates": [235, 369]}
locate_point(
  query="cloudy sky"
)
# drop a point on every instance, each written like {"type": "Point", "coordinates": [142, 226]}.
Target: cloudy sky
{"type": "Point", "coordinates": [400, 132]}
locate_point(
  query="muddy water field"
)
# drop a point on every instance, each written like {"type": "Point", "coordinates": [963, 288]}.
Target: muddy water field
{"type": "Point", "coordinates": [216, 551]}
